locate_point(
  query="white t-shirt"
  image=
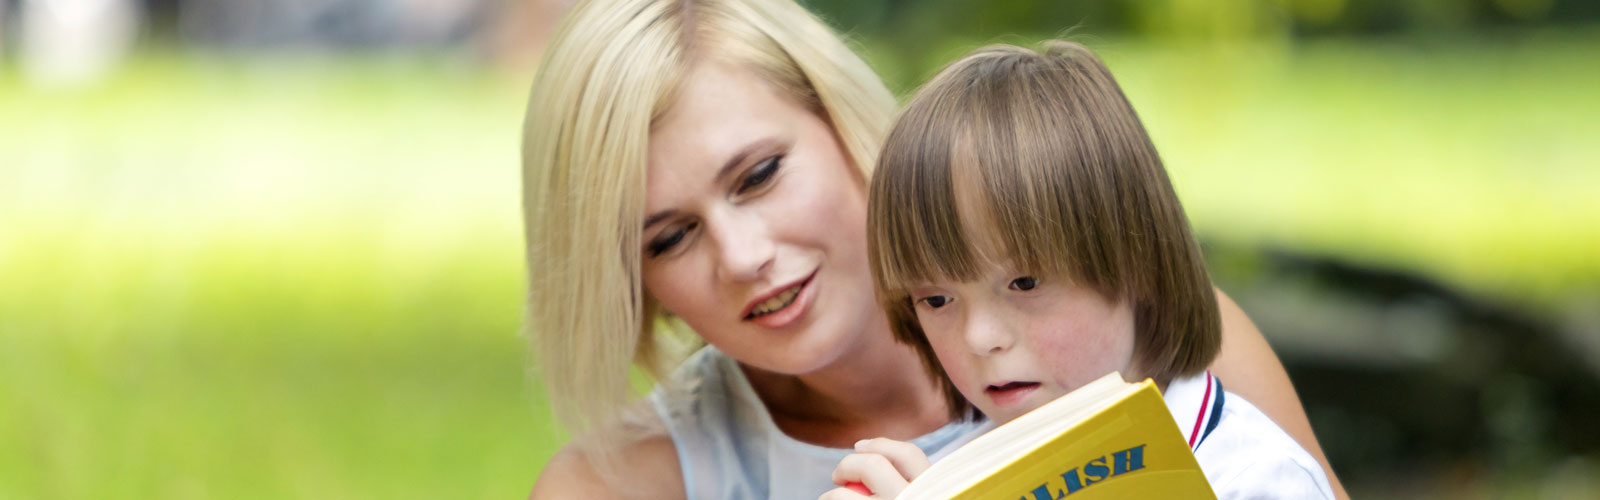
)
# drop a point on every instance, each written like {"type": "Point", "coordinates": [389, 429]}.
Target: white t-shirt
{"type": "Point", "coordinates": [1243, 452]}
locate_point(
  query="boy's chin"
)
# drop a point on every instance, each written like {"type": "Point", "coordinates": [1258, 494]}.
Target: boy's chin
{"type": "Point", "coordinates": [1003, 414]}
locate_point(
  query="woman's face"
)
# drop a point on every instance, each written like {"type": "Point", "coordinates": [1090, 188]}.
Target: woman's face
{"type": "Point", "coordinates": [755, 225]}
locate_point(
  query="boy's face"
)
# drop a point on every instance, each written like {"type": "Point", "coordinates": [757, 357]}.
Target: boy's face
{"type": "Point", "coordinates": [1012, 341]}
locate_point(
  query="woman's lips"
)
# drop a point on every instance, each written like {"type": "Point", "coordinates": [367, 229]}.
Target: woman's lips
{"type": "Point", "coordinates": [1010, 393]}
{"type": "Point", "coordinates": [792, 312]}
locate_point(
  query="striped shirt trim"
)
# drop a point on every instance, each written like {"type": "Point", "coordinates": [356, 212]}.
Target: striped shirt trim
{"type": "Point", "coordinates": [1210, 412]}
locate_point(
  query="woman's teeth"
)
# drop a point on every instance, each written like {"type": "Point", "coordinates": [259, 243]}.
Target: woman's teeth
{"type": "Point", "coordinates": [775, 303]}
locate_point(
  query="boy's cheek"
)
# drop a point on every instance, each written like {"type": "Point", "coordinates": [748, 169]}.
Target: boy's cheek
{"type": "Point", "coordinates": [1075, 355]}
{"type": "Point", "coordinates": [956, 366]}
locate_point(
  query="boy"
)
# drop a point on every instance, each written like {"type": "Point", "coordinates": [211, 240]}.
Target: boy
{"type": "Point", "coordinates": [1026, 241]}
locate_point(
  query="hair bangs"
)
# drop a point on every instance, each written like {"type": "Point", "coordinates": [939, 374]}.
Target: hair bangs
{"type": "Point", "coordinates": [1005, 186]}
{"type": "Point", "coordinates": [971, 173]}
{"type": "Point", "coordinates": [914, 221]}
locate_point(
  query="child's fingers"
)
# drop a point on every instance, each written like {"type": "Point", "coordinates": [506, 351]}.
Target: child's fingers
{"type": "Point", "coordinates": [858, 488]}
{"type": "Point", "coordinates": [872, 470]}
{"type": "Point", "coordinates": [842, 494]}
{"type": "Point", "coordinates": [906, 457]}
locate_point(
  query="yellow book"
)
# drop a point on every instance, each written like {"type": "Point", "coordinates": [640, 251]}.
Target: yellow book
{"type": "Point", "coordinates": [1108, 439]}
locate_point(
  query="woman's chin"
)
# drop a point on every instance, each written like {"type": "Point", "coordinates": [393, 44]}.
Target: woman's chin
{"type": "Point", "coordinates": [807, 354]}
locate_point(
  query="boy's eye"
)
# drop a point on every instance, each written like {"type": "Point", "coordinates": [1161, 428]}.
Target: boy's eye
{"type": "Point", "coordinates": [1024, 283]}
{"type": "Point", "coordinates": [668, 239]}
{"type": "Point", "coordinates": [759, 175]}
{"type": "Point", "coordinates": [935, 301]}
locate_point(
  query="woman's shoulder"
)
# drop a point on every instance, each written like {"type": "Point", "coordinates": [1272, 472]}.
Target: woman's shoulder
{"type": "Point", "coordinates": [702, 385]}
{"type": "Point", "coordinates": [646, 468]}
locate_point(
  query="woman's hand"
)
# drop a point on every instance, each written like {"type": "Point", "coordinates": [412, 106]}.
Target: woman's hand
{"type": "Point", "coordinates": [882, 466]}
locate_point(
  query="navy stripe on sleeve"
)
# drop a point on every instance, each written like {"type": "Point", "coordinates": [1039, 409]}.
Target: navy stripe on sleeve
{"type": "Point", "coordinates": [1216, 413]}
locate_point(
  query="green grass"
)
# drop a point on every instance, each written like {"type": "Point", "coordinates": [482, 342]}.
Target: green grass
{"type": "Point", "coordinates": [250, 277]}
{"type": "Point", "coordinates": [253, 369]}
{"type": "Point", "coordinates": [264, 280]}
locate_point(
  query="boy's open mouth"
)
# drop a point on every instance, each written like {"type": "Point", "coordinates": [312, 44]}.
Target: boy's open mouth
{"type": "Point", "coordinates": [1010, 394]}
{"type": "Point", "coordinates": [1010, 386]}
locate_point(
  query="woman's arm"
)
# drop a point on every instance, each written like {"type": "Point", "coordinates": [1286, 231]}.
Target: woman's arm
{"type": "Point", "coordinates": [650, 467]}
{"type": "Point", "coordinates": [1252, 370]}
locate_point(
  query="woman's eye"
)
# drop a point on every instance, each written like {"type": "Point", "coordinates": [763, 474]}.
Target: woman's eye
{"type": "Point", "coordinates": [1024, 283]}
{"type": "Point", "coordinates": [759, 175]}
{"type": "Point", "coordinates": [935, 301]}
{"type": "Point", "coordinates": [668, 239]}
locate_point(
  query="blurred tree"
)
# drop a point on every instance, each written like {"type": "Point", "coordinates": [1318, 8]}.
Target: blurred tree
{"type": "Point", "coordinates": [932, 19]}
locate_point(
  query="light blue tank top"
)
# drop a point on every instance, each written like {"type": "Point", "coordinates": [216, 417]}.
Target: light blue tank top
{"type": "Point", "coordinates": [729, 446]}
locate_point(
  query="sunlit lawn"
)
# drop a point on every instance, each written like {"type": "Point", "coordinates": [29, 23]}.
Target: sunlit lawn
{"type": "Point", "coordinates": [243, 277]}
{"type": "Point", "coordinates": [264, 280]}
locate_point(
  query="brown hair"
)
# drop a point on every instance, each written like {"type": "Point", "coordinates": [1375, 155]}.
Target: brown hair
{"type": "Point", "coordinates": [1068, 184]}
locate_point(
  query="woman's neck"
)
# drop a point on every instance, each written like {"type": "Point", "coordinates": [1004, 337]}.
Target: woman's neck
{"type": "Point", "coordinates": [878, 388]}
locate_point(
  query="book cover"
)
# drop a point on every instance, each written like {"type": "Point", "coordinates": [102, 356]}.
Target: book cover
{"type": "Point", "coordinates": [1108, 439]}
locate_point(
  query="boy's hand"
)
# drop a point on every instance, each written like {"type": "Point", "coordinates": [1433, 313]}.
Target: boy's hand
{"type": "Point", "coordinates": [883, 466]}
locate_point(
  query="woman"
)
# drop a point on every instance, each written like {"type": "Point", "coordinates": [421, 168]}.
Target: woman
{"type": "Point", "coordinates": [700, 166]}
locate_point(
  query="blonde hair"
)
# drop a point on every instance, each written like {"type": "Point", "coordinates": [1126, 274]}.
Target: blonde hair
{"type": "Point", "coordinates": [1067, 183]}
{"type": "Point", "coordinates": [612, 69]}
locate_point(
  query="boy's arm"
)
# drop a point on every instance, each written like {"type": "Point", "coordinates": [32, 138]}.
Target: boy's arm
{"type": "Point", "coordinates": [883, 467]}
{"type": "Point", "coordinates": [1250, 368]}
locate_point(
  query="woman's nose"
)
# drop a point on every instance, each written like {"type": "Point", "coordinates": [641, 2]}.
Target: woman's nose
{"type": "Point", "coordinates": [745, 250]}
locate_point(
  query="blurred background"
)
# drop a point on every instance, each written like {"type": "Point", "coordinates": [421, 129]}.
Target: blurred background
{"type": "Point", "coordinates": [271, 249]}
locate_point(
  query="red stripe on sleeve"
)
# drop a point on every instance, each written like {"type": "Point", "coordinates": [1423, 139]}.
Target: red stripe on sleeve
{"type": "Point", "coordinates": [1201, 417]}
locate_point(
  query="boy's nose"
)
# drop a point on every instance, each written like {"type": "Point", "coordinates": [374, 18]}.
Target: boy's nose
{"type": "Point", "coordinates": [988, 334]}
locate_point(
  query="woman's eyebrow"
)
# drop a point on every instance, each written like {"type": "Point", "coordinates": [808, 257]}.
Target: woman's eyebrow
{"type": "Point", "coordinates": [658, 217]}
{"type": "Point", "coordinates": [743, 154]}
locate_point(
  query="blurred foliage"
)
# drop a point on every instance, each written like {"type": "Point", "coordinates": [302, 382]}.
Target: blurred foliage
{"type": "Point", "coordinates": [905, 29]}
{"type": "Point", "coordinates": [932, 19]}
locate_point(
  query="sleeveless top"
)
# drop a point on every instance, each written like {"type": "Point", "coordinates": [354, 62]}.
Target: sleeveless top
{"type": "Point", "coordinates": [730, 448]}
